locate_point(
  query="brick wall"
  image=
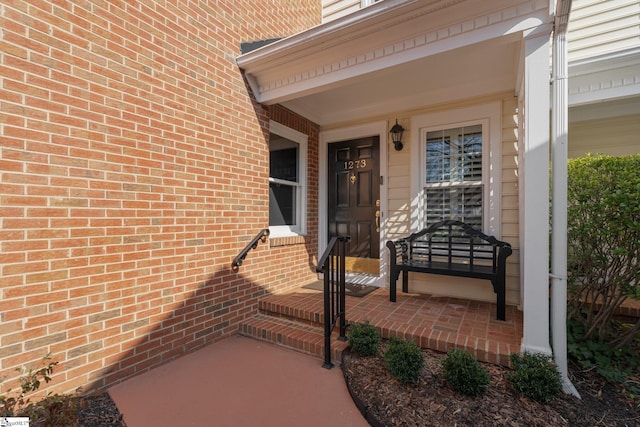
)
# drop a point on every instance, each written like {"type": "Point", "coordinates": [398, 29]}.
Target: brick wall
{"type": "Point", "coordinates": [133, 169]}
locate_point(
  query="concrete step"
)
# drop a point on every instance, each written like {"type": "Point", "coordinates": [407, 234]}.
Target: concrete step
{"type": "Point", "coordinates": [294, 335]}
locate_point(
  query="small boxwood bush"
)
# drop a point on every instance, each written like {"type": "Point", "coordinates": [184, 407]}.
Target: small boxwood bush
{"type": "Point", "coordinates": [404, 360]}
{"type": "Point", "coordinates": [464, 373]}
{"type": "Point", "coordinates": [364, 339]}
{"type": "Point", "coordinates": [535, 376]}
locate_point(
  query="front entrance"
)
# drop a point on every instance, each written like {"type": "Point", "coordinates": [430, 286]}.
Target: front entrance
{"type": "Point", "coordinates": [354, 200]}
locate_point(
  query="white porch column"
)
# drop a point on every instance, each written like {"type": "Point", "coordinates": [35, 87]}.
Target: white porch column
{"type": "Point", "coordinates": [534, 196]}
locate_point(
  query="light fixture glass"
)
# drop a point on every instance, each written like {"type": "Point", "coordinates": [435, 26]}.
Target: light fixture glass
{"type": "Point", "coordinates": [396, 136]}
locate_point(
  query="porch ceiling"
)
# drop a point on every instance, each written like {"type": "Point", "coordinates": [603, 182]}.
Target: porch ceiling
{"type": "Point", "coordinates": [466, 72]}
{"type": "Point", "coordinates": [394, 56]}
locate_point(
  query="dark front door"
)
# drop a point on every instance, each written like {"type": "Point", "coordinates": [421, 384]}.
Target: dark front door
{"type": "Point", "coordinates": [354, 199]}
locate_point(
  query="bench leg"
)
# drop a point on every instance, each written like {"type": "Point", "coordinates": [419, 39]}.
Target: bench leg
{"type": "Point", "coordinates": [405, 281]}
{"type": "Point", "coordinates": [499, 288]}
{"type": "Point", "coordinates": [393, 279]}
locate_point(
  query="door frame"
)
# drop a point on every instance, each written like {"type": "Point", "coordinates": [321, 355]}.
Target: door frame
{"type": "Point", "coordinates": [378, 128]}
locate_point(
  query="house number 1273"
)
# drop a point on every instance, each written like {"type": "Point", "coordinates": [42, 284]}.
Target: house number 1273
{"type": "Point", "coordinates": [355, 164]}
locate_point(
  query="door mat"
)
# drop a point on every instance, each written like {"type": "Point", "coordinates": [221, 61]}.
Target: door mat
{"type": "Point", "coordinates": [350, 290]}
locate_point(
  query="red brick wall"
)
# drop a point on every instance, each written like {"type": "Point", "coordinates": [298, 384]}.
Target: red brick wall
{"type": "Point", "coordinates": [133, 169]}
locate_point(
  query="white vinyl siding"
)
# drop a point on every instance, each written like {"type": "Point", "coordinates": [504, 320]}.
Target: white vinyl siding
{"type": "Point", "coordinates": [509, 196]}
{"type": "Point", "coordinates": [399, 183]}
{"type": "Point", "coordinates": [334, 9]}
{"type": "Point", "coordinates": [615, 136]}
{"type": "Point", "coordinates": [598, 27]}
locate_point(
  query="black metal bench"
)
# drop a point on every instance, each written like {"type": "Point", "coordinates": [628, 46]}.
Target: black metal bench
{"type": "Point", "coordinates": [450, 248]}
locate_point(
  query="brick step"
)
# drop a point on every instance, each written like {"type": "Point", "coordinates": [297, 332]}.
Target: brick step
{"type": "Point", "coordinates": [294, 335]}
{"type": "Point", "coordinates": [294, 307]}
{"type": "Point", "coordinates": [438, 323]}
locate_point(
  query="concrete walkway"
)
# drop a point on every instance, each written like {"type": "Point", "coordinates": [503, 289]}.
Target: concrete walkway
{"type": "Point", "coordinates": [238, 382]}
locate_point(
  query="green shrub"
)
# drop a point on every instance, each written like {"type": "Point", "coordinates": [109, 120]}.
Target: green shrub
{"type": "Point", "coordinates": [464, 373]}
{"type": "Point", "coordinates": [52, 410]}
{"type": "Point", "coordinates": [535, 376]}
{"type": "Point", "coordinates": [617, 365]}
{"type": "Point", "coordinates": [30, 381]}
{"type": "Point", "coordinates": [404, 360]}
{"type": "Point", "coordinates": [364, 339]}
{"type": "Point", "coordinates": [603, 233]}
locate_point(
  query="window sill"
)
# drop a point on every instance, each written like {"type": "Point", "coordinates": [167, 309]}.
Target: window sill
{"type": "Point", "coordinates": [286, 240]}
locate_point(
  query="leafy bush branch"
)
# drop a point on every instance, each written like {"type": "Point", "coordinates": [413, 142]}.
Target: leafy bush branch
{"type": "Point", "coordinates": [53, 410]}
{"type": "Point", "coordinates": [620, 365]}
{"type": "Point", "coordinates": [603, 235]}
{"type": "Point", "coordinates": [30, 381]}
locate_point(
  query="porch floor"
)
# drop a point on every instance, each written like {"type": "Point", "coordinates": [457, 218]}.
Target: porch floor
{"type": "Point", "coordinates": [438, 323]}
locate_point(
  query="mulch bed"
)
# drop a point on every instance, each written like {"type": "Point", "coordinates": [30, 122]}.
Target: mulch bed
{"type": "Point", "coordinates": [384, 401]}
{"type": "Point", "coordinates": [99, 411]}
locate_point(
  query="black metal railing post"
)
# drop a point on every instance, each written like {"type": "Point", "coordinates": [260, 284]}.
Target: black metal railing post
{"type": "Point", "coordinates": [342, 284]}
{"type": "Point", "coordinates": [328, 315]}
{"type": "Point", "coordinates": [333, 267]}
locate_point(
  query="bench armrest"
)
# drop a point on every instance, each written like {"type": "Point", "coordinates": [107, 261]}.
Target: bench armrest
{"type": "Point", "coordinates": [398, 248]}
{"type": "Point", "coordinates": [504, 252]}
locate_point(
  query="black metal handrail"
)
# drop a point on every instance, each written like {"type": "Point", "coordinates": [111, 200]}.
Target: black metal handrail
{"type": "Point", "coordinates": [261, 236]}
{"type": "Point", "coordinates": [332, 266]}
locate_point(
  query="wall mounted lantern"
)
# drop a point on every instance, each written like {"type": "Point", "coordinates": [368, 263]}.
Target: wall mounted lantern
{"type": "Point", "coordinates": [396, 135]}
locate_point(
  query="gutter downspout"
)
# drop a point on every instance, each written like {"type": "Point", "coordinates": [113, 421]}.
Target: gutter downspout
{"type": "Point", "coordinates": [559, 131]}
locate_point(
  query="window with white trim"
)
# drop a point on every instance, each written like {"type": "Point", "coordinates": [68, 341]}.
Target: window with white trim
{"type": "Point", "coordinates": [453, 185]}
{"type": "Point", "coordinates": [287, 181]}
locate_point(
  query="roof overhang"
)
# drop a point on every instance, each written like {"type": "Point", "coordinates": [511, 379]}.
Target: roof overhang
{"type": "Point", "coordinates": [607, 77]}
{"type": "Point", "coordinates": [396, 55]}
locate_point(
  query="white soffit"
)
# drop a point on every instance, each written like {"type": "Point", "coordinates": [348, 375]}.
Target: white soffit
{"type": "Point", "coordinates": [468, 72]}
{"type": "Point", "coordinates": [604, 78]}
{"type": "Point", "coordinates": [393, 33]}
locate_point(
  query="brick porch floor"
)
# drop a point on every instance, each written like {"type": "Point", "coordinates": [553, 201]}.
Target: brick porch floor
{"type": "Point", "coordinates": [294, 319]}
